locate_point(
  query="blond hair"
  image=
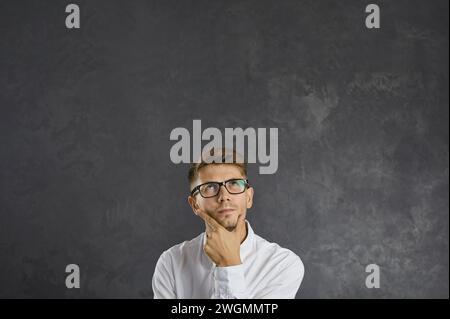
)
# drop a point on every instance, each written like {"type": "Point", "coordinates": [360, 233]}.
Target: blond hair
{"type": "Point", "coordinates": [217, 156]}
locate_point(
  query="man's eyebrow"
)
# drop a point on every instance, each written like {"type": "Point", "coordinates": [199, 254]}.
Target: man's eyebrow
{"type": "Point", "coordinates": [229, 179]}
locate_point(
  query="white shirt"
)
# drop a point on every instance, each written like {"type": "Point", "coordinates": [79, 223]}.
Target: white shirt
{"type": "Point", "coordinates": [267, 271]}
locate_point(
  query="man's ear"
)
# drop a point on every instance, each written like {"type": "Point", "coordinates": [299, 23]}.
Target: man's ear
{"type": "Point", "coordinates": [249, 193]}
{"type": "Point", "coordinates": [193, 203]}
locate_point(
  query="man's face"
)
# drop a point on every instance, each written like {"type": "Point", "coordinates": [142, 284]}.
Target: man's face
{"type": "Point", "coordinates": [225, 208]}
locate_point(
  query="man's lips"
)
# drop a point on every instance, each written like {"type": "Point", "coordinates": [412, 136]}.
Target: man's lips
{"type": "Point", "coordinates": [225, 210]}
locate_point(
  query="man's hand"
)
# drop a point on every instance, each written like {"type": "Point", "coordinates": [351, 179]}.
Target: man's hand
{"type": "Point", "coordinates": [223, 246]}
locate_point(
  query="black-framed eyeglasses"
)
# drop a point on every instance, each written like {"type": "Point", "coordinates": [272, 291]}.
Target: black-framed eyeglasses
{"type": "Point", "coordinates": [211, 189]}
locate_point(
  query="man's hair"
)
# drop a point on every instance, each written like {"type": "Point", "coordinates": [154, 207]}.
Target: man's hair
{"type": "Point", "coordinates": [217, 156]}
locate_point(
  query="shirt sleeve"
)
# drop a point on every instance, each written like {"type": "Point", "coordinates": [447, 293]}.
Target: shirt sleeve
{"type": "Point", "coordinates": [163, 281]}
{"type": "Point", "coordinates": [287, 280]}
{"type": "Point", "coordinates": [229, 283]}
{"type": "Point", "coordinates": [283, 282]}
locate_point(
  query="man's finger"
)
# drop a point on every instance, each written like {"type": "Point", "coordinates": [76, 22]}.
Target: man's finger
{"type": "Point", "coordinates": [208, 220]}
{"type": "Point", "coordinates": [209, 228]}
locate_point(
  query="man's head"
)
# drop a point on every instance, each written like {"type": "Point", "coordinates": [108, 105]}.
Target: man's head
{"type": "Point", "coordinates": [222, 202]}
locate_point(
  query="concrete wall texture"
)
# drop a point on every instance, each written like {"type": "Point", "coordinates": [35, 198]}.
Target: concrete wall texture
{"type": "Point", "coordinates": [86, 114]}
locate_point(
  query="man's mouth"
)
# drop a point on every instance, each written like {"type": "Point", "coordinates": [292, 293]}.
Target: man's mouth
{"type": "Point", "coordinates": [225, 211]}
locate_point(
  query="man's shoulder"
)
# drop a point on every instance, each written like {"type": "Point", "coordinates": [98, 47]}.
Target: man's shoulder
{"type": "Point", "coordinates": [184, 247]}
{"type": "Point", "coordinates": [277, 252]}
{"type": "Point", "coordinates": [282, 260]}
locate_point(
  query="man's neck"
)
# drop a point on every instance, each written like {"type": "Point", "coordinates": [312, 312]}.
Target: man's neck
{"type": "Point", "coordinates": [244, 235]}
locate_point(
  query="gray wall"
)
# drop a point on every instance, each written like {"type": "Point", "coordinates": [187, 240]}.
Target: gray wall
{"type": "Point", "coordinates": [86, 115]}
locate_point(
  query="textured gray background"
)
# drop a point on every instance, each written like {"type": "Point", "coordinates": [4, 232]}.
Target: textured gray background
{"type": "Point", "coordinates": [86, 115]}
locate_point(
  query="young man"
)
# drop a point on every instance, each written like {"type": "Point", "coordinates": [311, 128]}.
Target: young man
{"type": "Point", "coordinates": [228, 260]}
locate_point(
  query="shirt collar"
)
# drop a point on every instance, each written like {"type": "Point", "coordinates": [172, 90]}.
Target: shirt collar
{"type": "Point", "coordinates": [247, 244]}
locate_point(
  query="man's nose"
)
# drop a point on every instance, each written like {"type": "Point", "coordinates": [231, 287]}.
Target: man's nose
{"type": "Point", "coordinates": [223, 194]}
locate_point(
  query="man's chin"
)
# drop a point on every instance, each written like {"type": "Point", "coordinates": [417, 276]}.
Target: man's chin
{"type": "Point", "coordinates": [230, 226]}
{"type": "Point", "coordinates": [228, 222]}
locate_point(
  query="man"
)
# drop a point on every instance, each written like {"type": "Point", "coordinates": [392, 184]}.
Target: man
{"type": "Point", "coordinates": [228, 260]}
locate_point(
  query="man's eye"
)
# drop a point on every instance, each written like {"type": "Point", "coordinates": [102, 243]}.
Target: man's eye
{"type": "Point", "coordinates": [210, 186]}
